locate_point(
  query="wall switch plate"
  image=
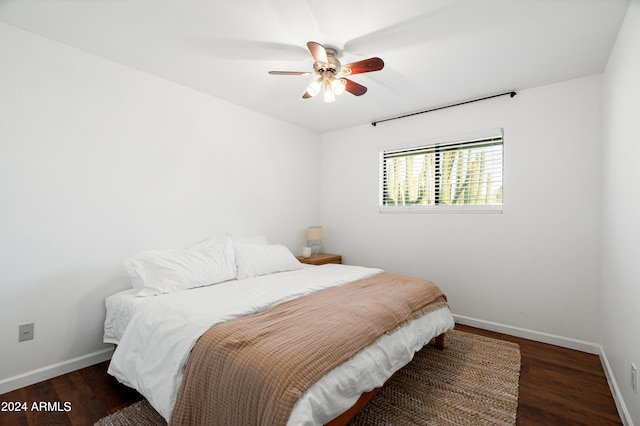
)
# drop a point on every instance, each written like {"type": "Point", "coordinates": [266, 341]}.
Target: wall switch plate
{"type": "Point", "coordinates": [634, 378]}
{"type": "Point", "coordinates": [25, 332]}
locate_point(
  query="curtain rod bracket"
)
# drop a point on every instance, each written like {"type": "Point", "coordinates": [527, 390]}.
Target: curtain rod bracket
{"type": "Point", "coordinates": [511, 95]}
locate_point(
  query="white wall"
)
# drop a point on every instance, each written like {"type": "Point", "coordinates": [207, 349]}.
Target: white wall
{"type": "Point", "coordinates": [99, 161]}
{"type": "Point", "coordinates": [536, 266]}
{"type": "Point", "coordinates": [621, 209]}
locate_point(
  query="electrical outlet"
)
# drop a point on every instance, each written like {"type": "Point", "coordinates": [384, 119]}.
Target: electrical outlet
{"type": "Point", "coordinates": [634, 378]}
{"type": "Point", "coordinates": [25, 332]}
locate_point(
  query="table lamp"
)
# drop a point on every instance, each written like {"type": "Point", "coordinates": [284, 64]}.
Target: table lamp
{"type": "Point", "coordinates": [314, 238]}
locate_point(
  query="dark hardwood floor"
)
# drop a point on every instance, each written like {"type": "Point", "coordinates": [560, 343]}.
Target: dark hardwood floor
{"type": "Point", "coordinates": [557, 387]}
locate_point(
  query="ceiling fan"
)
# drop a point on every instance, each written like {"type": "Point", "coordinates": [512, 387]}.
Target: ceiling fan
{"type": "Point", "coordinates": [332, 75]}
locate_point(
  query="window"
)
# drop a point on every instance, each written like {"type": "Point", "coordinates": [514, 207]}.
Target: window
{"type": "Point", "coordinates": [464, 175]}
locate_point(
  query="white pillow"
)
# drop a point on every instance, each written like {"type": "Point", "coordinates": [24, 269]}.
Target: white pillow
{"type": "Point", "coordinates": [259, 259]}
{"type": "Point", "coordinates": [155, 272]}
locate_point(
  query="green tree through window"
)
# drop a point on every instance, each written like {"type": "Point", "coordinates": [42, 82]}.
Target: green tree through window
{"type": "Point", "coordinates": [461, 173]}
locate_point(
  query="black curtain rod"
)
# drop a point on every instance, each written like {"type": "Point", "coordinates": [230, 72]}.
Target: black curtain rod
{"type": "Point", "coordinates": [512, 94]}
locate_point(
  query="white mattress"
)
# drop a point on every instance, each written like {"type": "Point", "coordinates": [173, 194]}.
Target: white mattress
{"type": "Point", "coordinates": [156, 334]}
{"type": "Point", "coordinates": [120, 307]}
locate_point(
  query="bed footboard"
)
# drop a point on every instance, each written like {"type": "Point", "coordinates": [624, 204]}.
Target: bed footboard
{"type": "Point", "coordinates": [344, 418]}
{"type": "Point", "coordinates": [440, 341]}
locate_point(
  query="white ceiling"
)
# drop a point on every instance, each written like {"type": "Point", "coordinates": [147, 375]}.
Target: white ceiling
{"type": "Point", "coordinates": [436, 52]}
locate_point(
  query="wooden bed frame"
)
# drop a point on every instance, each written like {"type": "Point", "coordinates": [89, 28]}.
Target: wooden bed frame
{"type": "Point", "coordinates": [345, 417]}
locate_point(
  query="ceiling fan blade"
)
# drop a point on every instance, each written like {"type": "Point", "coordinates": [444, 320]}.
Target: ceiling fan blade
{"type": "Point", "coordinates": [367, 65]}
{"type": "Point", "coordinates": [290, 73]}
{"type": "Point", "coordinates": [353, 87]}
{"type": "Point", "coordinates": [318, 52]}
{"type": "Point", "coordinates": [306, 96]}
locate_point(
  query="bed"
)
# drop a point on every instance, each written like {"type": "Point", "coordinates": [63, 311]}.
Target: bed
{"type": "Point", "coordinates": [160, 328]}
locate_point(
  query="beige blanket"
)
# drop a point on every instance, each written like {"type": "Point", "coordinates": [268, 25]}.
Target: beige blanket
{"type": "Point", "coordinates": [252, 369]}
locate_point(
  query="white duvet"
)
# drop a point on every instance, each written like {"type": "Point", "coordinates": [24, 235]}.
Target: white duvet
{"type": "Point", "coordinates": [162, 330]}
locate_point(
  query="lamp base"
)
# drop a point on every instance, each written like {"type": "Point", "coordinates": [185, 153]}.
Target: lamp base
{"type": "Point", "coordinates": [316, 246]}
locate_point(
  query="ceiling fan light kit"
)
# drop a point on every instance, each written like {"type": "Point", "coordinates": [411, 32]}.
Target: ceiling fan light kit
{"type": "Point", "coordinates": [332, 74]}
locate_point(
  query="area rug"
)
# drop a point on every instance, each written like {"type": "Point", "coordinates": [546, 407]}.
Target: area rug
{"type": "Point", "coordinates": [474, 381]}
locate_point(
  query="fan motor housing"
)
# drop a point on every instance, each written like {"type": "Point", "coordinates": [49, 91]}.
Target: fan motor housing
{"type": "Point", "coordinates": [333, 65]}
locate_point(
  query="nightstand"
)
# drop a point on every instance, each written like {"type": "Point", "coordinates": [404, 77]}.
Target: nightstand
{"type": "Point", "coordinates": [320, 259]}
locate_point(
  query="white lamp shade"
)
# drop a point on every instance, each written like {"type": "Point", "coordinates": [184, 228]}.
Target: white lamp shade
{"type": "Point", "coordinates": [329, 96]}
{"type": "Point", "coordinates": [313, 88]}
{"type": "Point", "coordinates": [315, 233]}
{"type": "Point", "coordinates": [338, 86]}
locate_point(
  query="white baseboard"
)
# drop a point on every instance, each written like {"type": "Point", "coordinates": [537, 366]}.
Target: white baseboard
{"type": "Point", "coordinates": [54, 370]}
{"type": "Point", "coordinates": [625, 416]}
{"type": "Point", "coordinates": [538, 336]}
{"type": "Point", "coordinates": [565, 342]}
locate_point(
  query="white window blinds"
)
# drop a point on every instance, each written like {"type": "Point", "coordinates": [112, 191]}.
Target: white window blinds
{"type": "Point", "coordinates": [455, 175]}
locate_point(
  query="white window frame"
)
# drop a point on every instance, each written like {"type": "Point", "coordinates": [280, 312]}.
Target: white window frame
{"type": "Point", "coordinates": [470, 138]}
